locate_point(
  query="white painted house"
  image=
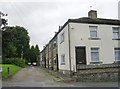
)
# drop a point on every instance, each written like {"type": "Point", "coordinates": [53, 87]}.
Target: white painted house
{"type": "Point", "coordinates": [88, 41]}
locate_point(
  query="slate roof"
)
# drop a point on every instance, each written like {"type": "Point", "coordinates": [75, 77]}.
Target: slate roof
{"type": "Point", "coordinates": [88, 20]}
{"type": "Point", "coordinates": [95, 21]}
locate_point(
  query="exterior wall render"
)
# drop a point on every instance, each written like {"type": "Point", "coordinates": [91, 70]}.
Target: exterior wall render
{"type": "Point", "coordinates": [63, 49]}
{"type": "Point", "coordinates": [105, 43]}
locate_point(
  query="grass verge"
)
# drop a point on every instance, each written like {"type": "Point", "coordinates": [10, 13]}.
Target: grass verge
{"type": "Point", "coordinates": [53, 74]}
{"type": "Point", "coordinates": [12, 70]}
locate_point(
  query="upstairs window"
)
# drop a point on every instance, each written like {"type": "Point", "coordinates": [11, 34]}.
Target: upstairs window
{"type": "Point", "coordinates": [62, 37]}
{"type": "Point", "coordinates": [54, 44]}
{"type": "Point", "coordinates": [116, 33]}
{"type": "Point", "coordinates": [93, 31]}
{"type": "Point", "coordinates": [117, 54]}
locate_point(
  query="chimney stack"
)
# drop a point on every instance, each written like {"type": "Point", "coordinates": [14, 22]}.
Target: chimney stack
{"type": "Point", "coordinates": [55, 33]}
{"type": "Point", "coordinates": [60, 28]}
{"type": "Point", "coordinates": [92, 14]}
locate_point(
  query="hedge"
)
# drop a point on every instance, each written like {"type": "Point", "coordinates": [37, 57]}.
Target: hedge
{"type": "Point", "coordinates": [15, 61]}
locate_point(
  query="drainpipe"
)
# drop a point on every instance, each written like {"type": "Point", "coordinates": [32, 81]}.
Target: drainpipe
{"type": "Point", "coordinates": [69, 49]}
{"type": "Point", "coordinates": [48, 56]}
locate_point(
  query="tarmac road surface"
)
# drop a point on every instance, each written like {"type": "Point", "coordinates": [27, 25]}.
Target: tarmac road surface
{"type": "Point", "coordinates": [36, 77]}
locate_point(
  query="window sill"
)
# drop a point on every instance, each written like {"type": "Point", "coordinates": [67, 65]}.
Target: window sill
{"type": "Point", "coordinates": [116, 39]}
{"type": "Point", "coordinates": [94, 38]}
{"type": "Point", "coordinates": [62, 63]}
{"type": "Point", "coordinates": [96, 62]}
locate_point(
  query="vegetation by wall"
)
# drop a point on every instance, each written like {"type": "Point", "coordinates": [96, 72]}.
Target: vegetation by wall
{"type": "Point", "coordinates": [12, 70]}
{"type": "Point", "coordinates": [15, 61]}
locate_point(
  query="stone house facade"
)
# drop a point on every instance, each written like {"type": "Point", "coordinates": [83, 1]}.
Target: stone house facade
{"type": "Point", "coordinates": [87, 41]}
{"type": "Point", "coordinates": [49, 55]}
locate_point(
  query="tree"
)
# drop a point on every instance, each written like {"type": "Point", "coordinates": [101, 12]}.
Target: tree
{"type": "Point", "coordinates": [37, 50]}
{"type": "Point", "coordinates": [34, 54]}
{"type": "Point", "coordinates": [37, 53]}
{"type": "Point", "coordinates": [15, 42]}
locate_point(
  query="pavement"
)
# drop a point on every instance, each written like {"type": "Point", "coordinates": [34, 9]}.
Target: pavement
{"type": "Point", "coordinates": [36, 77]}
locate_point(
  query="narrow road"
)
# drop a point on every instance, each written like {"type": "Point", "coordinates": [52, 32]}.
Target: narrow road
{"type": "Point", "coordinates": [31, 77]}
{"type": "Point", "coordinates": [36, 77]}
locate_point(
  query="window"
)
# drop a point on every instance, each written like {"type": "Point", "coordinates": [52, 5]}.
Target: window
{"type": "Point", "coordinates": [93, 31]}
{"type": "Point", "coordinates": [62, 37]}
{"type": "Point", "coordinates": [54, 59]}
{"type": "Point", "coordinates": [54, 44]}
{"type": "Point", "coordinates": [116, 34]}
{"type": "Point", "coordinates": [94, 54]}
{"type": "Point", "coordinates": [117, 54]}
{"type": "Point", "coordinates": [63, 59]}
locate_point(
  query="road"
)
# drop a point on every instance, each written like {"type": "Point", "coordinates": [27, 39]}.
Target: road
{"type": "Point", "coordinates": [36, 77]}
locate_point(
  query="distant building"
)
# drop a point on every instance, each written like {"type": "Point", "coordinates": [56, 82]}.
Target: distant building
{"type": "Point", "coordinates": [49, 55]}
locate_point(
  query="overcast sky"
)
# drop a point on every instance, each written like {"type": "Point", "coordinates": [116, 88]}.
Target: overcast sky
{"type": "Point", "coordinates": [42, 18]}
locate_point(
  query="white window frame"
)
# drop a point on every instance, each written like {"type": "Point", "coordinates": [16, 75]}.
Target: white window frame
{"type": "Point", "coordinates": [62, 37]}
{"type": "Point", "coordinates": [117, 53]}
{"type": "Point", "coordinates": [93, 29]}
{"type": "Point", "coordinates": [63, 59]}
{"type": "Point", "coordinates": [95, 51]}
{"type": "Point", "coordinates": [116, 30]}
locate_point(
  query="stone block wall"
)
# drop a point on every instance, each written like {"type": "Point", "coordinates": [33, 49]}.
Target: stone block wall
{"type": "Point", "coordinates": [107, 73]}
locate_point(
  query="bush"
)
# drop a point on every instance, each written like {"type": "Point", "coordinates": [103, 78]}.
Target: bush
{"type": "Point", "coordinates": [15, 61]}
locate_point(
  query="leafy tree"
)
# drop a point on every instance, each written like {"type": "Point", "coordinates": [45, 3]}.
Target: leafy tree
{"type": "Point", "coordinates": [15, 41]}
{"type": "Point", "coordinates": [16, 44]}
{"type": "Point", "coordinates": [37, 53]}
{"type": "Point", "coordinates": [0, 42]}
{"type": "Point", "coordinates": [34, 53]}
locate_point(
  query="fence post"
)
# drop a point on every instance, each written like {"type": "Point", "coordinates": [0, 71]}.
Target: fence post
{"type": "Point", "coordinates": [8, 70]}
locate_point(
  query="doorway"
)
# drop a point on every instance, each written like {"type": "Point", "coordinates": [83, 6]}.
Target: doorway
{"type": "Point", "coordinates": [80, 55]}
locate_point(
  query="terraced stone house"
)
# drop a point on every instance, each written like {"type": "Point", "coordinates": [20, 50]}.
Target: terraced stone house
{"type": "Point", "coordinates": [49, 55]}
{"type": "Point", "coordinates": [87, 43]}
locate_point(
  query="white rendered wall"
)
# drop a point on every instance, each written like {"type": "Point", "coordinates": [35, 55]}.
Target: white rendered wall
{"type": "Point", "coordinates": [63, 48]}
{"type": "Point", "coordinates": [80, 35]}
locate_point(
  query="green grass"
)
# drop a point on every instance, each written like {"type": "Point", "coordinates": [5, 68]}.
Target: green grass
{"type": "Point", "coordinates": [12, 70]}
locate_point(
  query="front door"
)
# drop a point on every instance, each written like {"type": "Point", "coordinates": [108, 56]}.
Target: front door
{"type": "Point", "coordinates": [57, 61]}
{"type": "Point", "coordinates": [80, 55]}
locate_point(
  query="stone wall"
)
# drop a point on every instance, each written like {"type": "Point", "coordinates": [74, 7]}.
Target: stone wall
{"type": "Point", "coordinates": [98, 73]}
{"type": "Point", "coordinates": [65, 73]}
